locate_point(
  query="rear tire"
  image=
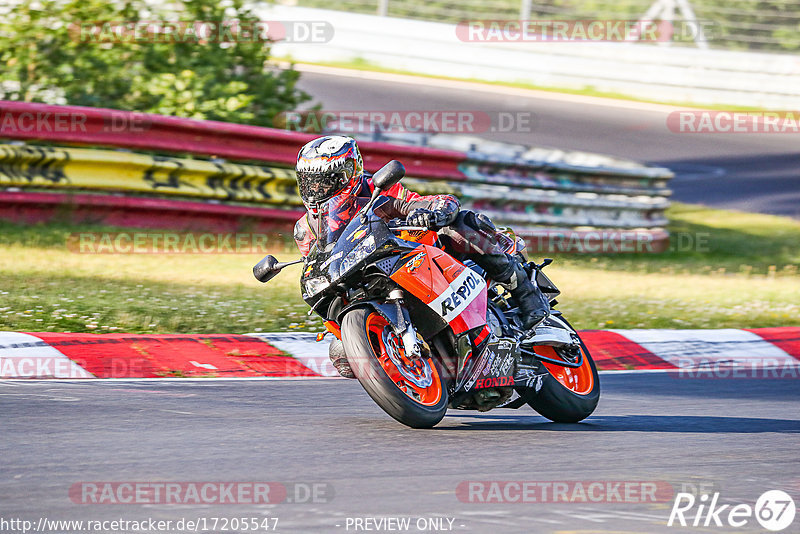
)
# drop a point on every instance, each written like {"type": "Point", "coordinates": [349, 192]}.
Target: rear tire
{"type": "Point", "coordinates": [562, 404]}
{"type": "Point", "coordinates": [368, 354]}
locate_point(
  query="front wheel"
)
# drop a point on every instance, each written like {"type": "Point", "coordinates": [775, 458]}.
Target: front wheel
{"type": "Point", "coordinates": [411, 391]}
{"type": "Point", "coordinates": [568, 395]}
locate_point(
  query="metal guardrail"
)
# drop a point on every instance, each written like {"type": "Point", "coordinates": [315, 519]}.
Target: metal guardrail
{"type": "Point", "coordinates": [523, 187]}
{"type": "Point", "coordinates": [29, 206]}
{"type": "Point", "coordinates": [107, 170]}
{"type": "Point", "coordinates": [536, 195]}
{"type": "Point", "coordinates": [157, 133]}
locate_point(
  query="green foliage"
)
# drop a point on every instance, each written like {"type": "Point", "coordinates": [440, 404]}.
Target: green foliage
{"type": "Point", "coordinates": [48, 54]}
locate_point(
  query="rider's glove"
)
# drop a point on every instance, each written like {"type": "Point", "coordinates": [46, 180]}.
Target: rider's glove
{"type": "Point", "coordinates": [431, 219]}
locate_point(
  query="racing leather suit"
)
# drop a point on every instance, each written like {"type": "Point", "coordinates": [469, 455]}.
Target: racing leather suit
{"type": "Point", "coordinates": [465, 235]}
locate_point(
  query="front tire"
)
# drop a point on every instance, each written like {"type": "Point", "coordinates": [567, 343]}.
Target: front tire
{"type": "Point", "coordinates": [393, 382]}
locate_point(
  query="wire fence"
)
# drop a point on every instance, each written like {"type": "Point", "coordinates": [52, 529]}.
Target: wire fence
{"type": "Point", "coordinates": [769, 25]}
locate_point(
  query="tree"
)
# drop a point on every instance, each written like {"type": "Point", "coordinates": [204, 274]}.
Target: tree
{"type": "Point", "coordinates": [86, 52]}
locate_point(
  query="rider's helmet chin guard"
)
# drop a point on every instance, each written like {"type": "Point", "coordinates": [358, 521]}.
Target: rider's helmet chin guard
{"type": "Point", "coordinates": [326, 167]}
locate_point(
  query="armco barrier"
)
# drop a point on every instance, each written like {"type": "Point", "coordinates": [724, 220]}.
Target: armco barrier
{"type": "Point", "coordinates": [536, 192]}
{"type": "Point", "coordinates": [104, 127]}
{"type": "Point", "coordinates": [72, 168]}
{"type": "Point", "coordinates": [126, 211]}
{"type": "Point", "coordinates": [28, 166]}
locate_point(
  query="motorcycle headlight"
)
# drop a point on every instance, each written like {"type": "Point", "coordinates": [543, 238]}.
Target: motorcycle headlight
{"type": "Point", "coordinates": [364, 249]}
{"type": "Point", "coordinates": [315, 285]}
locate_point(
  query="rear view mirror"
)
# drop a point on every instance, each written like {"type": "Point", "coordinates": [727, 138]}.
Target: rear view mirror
{"type": "Point", "coordinates": [388, 175]}
{"type": "Point", "coordinates": [269, 267]}
{"type": "Point", "coordinates": [266, 270]}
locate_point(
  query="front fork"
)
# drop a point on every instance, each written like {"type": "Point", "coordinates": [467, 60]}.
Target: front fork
{"type": "Point", "coordinates": [397, 315]}
{"type": "Point", "coordinates": [403, 327]}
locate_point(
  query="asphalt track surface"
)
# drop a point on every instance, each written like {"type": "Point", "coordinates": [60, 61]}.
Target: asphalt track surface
{"type": "Point", "coordinates": [750, 172]}
{"type": "Point", "coordinates": [737, 436]}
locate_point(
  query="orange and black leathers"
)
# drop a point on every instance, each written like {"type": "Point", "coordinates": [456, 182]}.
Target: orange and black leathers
{"type": "Point", "coordinates": [465, 235]}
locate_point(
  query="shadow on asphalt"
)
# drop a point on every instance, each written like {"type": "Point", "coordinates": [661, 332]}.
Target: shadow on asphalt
{"type": "Point", "coordinates": [690, 424]}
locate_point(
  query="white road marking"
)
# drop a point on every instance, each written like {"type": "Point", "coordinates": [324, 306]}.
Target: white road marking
{"type": "Point", "coordinates": [202, 365]}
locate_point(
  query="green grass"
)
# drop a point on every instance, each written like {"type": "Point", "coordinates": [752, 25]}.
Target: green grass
{"type": "Point", "coordinates": [712, 241]}
{"type": "Point", "coordinates": [744, 273]}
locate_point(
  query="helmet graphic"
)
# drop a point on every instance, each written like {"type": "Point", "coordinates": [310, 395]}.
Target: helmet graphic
{"type": "Point", "coordinates": [326, 167]}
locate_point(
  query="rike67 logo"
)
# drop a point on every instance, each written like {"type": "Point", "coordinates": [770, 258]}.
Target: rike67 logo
{"type": "Point", "coordinates": [774, 511]}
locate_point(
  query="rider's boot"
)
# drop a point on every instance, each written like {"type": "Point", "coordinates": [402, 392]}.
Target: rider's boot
{"type": "Point", "coordinates": [509, 272]}
{"type": "Point", "coordinates": [339, 360]}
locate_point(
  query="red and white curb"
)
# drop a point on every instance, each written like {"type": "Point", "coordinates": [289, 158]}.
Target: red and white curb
{"type": "Point", "coordinates": [687, 349]}
{"type": "Point", "coordinates": [26, 356]}
{"type": "Point", "coordinates": [298, 355]}
{"type": "Point", "coordinates": [44, 355]}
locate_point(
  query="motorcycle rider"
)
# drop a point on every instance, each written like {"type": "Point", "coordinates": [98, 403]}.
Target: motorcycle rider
{"type": "Point", "coordinates": [332, 165]}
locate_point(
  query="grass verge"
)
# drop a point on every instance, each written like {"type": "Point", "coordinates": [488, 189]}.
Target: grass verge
{"type": "Point", "coordinates": [724, 270]}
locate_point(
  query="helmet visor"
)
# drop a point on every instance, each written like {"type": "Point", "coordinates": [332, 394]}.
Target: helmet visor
{"type": "Point", "coordinates": [319, 186]}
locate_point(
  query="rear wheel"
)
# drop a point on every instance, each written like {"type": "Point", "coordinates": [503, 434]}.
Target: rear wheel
{"type": "Point", "coordinates": [568, 395]}
{"type": "Point", "coordinates": [409, 390]}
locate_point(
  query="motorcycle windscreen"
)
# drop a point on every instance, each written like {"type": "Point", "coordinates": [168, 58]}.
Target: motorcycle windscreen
{"type": "Point", "coordinates": [332, 218]}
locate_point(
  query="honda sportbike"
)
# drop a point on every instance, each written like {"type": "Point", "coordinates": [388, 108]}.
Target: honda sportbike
{"type": "Point", "coordinates": [424, 332]}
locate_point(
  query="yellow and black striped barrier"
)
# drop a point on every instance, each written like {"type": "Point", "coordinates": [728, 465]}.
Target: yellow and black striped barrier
{"type": "Point", "coordinates": [80, 168]}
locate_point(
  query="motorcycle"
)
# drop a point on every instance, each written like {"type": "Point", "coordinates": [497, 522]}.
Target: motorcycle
{"type": "Point", "coordinates": [424, 332]}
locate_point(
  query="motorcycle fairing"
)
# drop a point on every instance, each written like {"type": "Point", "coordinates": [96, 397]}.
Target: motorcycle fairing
{"type": "Point", "coordinates": [452, 290]}
{"type": "Point", "coordinates": [494, 368]}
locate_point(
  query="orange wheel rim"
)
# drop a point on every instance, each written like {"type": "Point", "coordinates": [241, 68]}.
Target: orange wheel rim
{"type": "Point", "coordinates": [410, 376]}
{"type": "Point", "coordinates": [578, 380]}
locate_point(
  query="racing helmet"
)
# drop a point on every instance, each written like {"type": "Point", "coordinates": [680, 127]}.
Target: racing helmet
{"type": "Point", "coordinates": [326, 167]}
